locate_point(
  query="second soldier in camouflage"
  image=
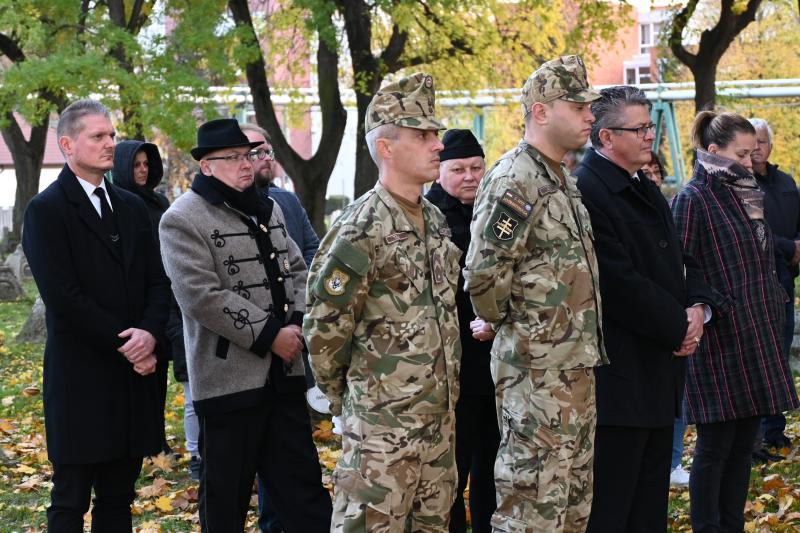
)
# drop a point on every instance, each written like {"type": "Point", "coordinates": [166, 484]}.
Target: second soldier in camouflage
{"type": "Point", "coordinates": [382, 328]}
{"type": "Point", "coordinates": [531, 272]}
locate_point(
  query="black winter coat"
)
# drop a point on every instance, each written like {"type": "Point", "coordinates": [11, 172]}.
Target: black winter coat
{"type": "Point", "coordinates": [644, 294]}
{"type": "Point", "coordinates": [96, 407]}
{"type": "Point", "coordinates": [782, 212]}
{"type": "Point", "coordinates": [475, 377]}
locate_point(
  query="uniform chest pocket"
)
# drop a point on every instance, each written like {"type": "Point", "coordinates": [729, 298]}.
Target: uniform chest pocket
{"type": "Point", "coordinates": [557, 222]}
{"type": "Point", "coordinates": [403, 277]}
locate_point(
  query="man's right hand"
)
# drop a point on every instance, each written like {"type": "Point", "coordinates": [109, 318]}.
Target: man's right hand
{"type": "Point", "coordinates": [288, 343]}
{"type": "Point", "coordinates": [796, 258]}
{"type": "Point", "coordinates": [146, 365]}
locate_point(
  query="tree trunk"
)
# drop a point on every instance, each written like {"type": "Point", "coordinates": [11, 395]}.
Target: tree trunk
{"type": "Point", "coordinates": [366, 171]}
{"type": "Point", "coordinates": [310, 176]}
{"type": "Point", "coordinates": [705, 92]}
{"type": "Point", "coordinates": [27, 157]}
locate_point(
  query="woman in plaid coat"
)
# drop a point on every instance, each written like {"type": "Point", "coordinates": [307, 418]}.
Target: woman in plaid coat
{"type": "Point", "coordinates": [737, 374]}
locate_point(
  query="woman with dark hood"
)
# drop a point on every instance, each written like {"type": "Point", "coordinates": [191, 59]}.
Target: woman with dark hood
{"type": "Point", "coordinates": [138, 169]}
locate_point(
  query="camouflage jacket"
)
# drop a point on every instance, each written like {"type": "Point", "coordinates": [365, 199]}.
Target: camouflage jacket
{"type": "Point", "coordinates": [531, 268]}
{"type": "Point", "coordinates": [382, 328]}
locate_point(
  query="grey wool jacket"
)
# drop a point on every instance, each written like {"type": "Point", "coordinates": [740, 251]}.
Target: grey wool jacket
{"type": "Point", "coordinates": [223, 277]}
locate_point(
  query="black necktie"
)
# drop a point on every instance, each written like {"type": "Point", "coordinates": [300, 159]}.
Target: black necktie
{"type": "Point", "coordinates": [107, 217]}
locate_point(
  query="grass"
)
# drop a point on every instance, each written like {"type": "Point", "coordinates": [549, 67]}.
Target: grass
{"type": "Point", "coordinates": [167, 498]}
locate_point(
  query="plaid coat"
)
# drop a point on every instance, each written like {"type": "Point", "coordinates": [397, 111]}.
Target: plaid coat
{"type": "Point", "coordinates": [738, 370]}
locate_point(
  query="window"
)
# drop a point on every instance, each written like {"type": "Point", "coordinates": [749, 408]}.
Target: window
{"type": "Point", "coordinates": [636, 74]}
{"type": "Point", "coordinates": [648, 35]}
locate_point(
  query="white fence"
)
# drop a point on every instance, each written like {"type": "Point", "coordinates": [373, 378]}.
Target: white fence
{"type": "Point", "coordinates": [6, 219]}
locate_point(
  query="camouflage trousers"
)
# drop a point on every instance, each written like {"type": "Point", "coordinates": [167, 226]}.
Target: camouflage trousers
{"type": "Point", "coordinates": [394, 472]}
{"type": "Point", "coordinates": [543, 471]}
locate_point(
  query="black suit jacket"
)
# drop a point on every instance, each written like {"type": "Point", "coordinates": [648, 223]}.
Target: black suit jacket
{"type": "Point", "coordinates": [97, 408]}
{"type": "Point", "coordinates": [644, 294]}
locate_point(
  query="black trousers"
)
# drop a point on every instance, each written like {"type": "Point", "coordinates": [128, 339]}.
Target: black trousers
{"type": "Point", "coordinates": [273, 440]}
{"type": "Point", "coordinates": [720, 475]}
{"type": "Point", "coordinates": [113, 485]}
{"type": "Point", "coordinates": [477, 440]}
{"type": "Point", "coordinates": [631, 479]}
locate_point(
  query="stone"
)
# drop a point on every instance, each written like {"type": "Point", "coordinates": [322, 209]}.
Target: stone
{"type": "Point", "coordinates": [35, 328]}
{"type": "Point", "coordinates": [10, 288]}
{"type": "Point", "coordinates": [19, 264]}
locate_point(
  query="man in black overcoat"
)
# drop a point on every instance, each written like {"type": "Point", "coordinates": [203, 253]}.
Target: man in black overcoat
{"type": "Point", "coordinates": [650, 320]}
{"type": "Point", "coordinates": [91, 251]}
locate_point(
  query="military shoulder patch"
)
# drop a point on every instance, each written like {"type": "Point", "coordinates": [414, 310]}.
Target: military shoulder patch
{"type": "Point", "coordinates": [504, 226]}
{"type": "Point", "coordinates": [445, 232]}
{"type": "Point", "coordinates": [516, 203]}
{"type": "Point", "coordinates": [336, 283]}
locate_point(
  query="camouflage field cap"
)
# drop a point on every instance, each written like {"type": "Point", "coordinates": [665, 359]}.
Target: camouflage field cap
{"type": "Point", "coordinates": [408, 102]}
{"type": "Point", "coordinates": [563, 78]}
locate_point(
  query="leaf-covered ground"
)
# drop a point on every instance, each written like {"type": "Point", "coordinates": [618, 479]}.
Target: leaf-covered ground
{"type": "Point", "coordinates": [167, 498]}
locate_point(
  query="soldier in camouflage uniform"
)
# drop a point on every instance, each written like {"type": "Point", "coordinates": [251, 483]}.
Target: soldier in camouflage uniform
{"type": "Point", "coordinates": [382, 328]}
{"type": "Point", "coordinates": [531, 272]}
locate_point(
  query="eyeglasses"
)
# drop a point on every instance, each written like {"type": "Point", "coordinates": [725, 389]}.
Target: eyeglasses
{"type": "Point", "coordinates": [640, 132]}
{"type": "Point", "coordinates": [250, 156]}
{"type": "Point", "coordinates": [262, 154]}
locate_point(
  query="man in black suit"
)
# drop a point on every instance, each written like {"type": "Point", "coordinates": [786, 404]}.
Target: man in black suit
{"type": "Point", "coordinates": [91, 251]}
{"type": "Point", "coordinates": [650, 320]}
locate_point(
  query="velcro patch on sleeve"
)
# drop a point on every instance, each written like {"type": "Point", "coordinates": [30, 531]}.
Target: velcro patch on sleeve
{"type": "Point", "coordinates": [544, 190]}
{"type": "Point", "coordinates": [516, 203]}
{"type": "Point", "coordinates": [505, 226]}
{"type": "Point", "coordinates": [344, 269]}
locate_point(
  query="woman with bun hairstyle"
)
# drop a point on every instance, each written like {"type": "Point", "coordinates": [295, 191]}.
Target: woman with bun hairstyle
{"type": "Point", "coordinates": [737, 374]}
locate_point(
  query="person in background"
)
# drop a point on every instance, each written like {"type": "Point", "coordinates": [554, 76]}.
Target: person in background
{"type": "Point", "coordinates": [297, 223]}
{"type": "Point", "coordinates": [461, 168]}
{"type": "Point", "coordinates": [738, 373]}
{"type": "Point", "coordinates": [782, 213]}
{"type": "Point", "coordinates": [138, 169]}
{"type": "Point", "coordinates": [654, 169]}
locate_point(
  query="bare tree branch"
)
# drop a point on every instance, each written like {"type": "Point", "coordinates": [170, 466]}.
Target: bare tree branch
{"type": "Point", "coordinates": [679, 24]}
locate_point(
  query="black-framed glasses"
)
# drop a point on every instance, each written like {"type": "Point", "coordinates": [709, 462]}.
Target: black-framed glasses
{"type": "Point", "coordinates": [640, 132]}
{"type": "Point", "coordinates": [249, 156]}
{"type": "Point", "coordinates": [262, 154]}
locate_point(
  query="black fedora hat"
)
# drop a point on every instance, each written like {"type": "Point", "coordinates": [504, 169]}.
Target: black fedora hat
{"type": "Point", "coordinates": [218, 134]}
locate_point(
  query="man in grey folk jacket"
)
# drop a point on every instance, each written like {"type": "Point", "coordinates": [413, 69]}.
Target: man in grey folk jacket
{"type": "Point", "coordinates": [240, 283]}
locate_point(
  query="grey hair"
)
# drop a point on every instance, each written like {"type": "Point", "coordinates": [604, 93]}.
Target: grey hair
{"type": "Point", "coordinates": [70, 123]}
{"type": "Point", "coordinates": [761, 123]}
{"type": "Point", "coordinates": [609, 108]}
{"type": "Point", "coordinates": [255, 128]}
{"type": "Point", "coordinates": [384, 131]}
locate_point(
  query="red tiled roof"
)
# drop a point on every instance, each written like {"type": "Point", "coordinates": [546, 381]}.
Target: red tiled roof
{"type": "Point", "coordinates": [52, 155]}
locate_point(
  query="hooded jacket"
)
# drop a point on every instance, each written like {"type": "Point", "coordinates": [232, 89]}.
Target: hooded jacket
{"type": "Point", "coordinates": [122, 175]}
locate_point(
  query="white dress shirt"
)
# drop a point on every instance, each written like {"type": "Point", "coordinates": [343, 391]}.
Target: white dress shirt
{"type": "Point", "coordinates": [89, 189]}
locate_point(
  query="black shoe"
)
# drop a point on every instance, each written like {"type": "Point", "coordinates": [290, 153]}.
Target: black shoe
{"type": "Point", "coordinates": [778, 442]}
{"type": "Point", "coordinates": [195, 467]}
{"type": "Point", "coordinates": [764, 456]}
